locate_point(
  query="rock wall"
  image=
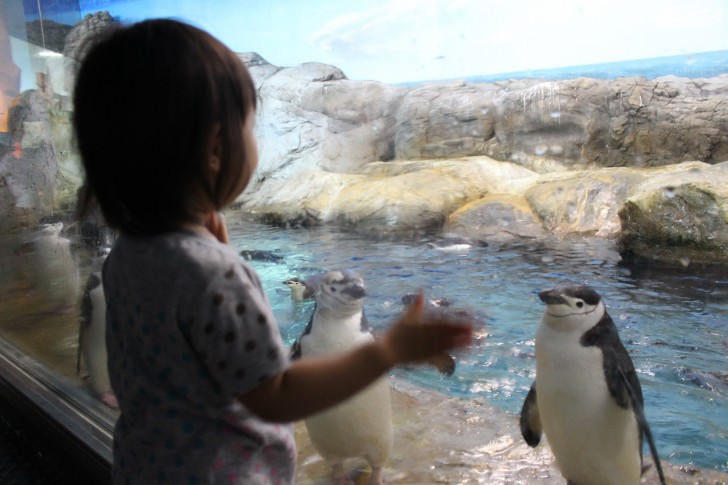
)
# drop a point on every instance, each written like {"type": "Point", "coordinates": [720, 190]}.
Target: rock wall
{"type": "Point", "coordinates": [311, 116]}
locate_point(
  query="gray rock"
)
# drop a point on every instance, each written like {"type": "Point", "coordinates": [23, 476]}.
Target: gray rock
{"type": "Point", "coordinates": [391, 196]}
{"type": "Point", "coordinates": [678, 218]}
{"type": "Point", "coordinates": [582, 202]}
{"type": "Point", "coordinates": [579, 123]}
{"type": "Point", "coordinates": [28, 170]}
{"type": "Point", "coordinates": [496, 217]}
{"type": "Point", "coordinates": [312, 118]}
{"type": "Point", "coordinates": [92, 24]}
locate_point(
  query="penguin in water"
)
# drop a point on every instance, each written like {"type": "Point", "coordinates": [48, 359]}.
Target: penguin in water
{"type": "Point", "coordinates": [456, 243]}
{"type": "Point", "coordinates": [92, 335]}
{"type": "Point", "coordinates": [586, 396]}
{"type": "Point", "coordinates": [300, 289]}
{"type": "Point", "coordinates": [362, 425]}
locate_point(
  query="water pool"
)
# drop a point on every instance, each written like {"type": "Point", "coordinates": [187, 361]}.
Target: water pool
{"type": "Point", "coordinates": [673, 323]}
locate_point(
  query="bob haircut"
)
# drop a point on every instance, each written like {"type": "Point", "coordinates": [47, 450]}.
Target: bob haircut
{"type": "Point", "coordinates": [147, 101]}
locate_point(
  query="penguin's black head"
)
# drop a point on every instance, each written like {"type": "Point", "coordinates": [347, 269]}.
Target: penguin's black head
{"type": "Point", "coordinates": [580, 292]}
{"type": "Point", "coordinates": [341, 291]}
{"type": "Point", "coordinates": [576, 306]}
{"type": "Point", "coordinates": [346, 282]}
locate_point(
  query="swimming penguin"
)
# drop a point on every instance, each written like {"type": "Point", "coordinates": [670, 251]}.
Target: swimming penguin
{"type": "Point", "coordinates": [456, 243]}
{"type": "Point", "coordinates": [92, 339]}
{"type": "Point", "coordinates": [361, 426]}
{"type": "Point", "coordinates": [261, 255]}
{"type": "Point", "coordinates": [409, 298]}
{"type": "Point", "coordinates": [303, 289]}
{"type": "Point", "coordinates": [586, 396]}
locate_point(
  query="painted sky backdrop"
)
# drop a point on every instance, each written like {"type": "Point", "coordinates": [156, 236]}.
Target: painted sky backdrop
{"type": "Point", "coordinates": [411, 40]}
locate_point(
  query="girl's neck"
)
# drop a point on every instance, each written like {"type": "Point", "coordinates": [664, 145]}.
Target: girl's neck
{"type": "Point", "coordinates": [198, 228]}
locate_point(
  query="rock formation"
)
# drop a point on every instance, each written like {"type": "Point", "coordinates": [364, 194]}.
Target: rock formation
{"type": "Point", "coordinates": [518, 158]}
{"type": "Point", "coordinates": [515, 158]}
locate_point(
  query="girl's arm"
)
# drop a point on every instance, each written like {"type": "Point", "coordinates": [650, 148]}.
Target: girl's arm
{"type": "Point", "coordinates": [311, 385]}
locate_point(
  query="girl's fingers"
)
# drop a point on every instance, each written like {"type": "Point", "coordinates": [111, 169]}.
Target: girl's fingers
{"type": "Point", "coordinates": [215, 223]}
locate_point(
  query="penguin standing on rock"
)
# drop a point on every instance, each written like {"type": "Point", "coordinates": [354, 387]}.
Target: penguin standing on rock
{"type": "Point", "coordinates": [586, 397]}
{"type": "Point", "coordinates": [360, 427]}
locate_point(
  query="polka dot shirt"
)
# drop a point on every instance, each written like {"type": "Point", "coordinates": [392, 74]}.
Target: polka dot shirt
{"type": "Point", "coordinates": [189, 328]}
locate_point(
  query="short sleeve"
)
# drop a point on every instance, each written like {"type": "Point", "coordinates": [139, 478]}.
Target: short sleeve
{"type": "Point", "coordinates": [234, 333]}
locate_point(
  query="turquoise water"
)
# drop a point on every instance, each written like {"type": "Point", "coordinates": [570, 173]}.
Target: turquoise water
{"type": "Point", "coordinates": [674, 324]}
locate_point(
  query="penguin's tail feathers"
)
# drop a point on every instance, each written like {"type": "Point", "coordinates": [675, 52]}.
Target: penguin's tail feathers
{"type": "Point", "coordinates": [644, 427]}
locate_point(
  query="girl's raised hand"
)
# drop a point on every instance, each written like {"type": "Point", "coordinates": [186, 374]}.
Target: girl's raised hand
{"type": "Point", "coordinates": [419, 335]}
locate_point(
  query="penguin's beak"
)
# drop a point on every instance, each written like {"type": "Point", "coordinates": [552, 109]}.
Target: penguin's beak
{"type": "Point", "coordinates": [551, 297]}
{"type": "Point", "coordinates": [356, 292]}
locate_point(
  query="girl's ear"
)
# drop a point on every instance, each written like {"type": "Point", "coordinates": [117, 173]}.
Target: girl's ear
{"type": "Point", "coordinates": [215, 158]}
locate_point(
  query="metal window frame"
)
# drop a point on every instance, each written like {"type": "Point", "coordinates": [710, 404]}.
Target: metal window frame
{"type": "Point", "coordinates": [74, 419]}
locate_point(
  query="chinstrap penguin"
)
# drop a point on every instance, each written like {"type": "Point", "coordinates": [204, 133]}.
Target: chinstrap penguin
{"type": "Point", "coordinates": [362, 425]}
{"type": "Point", "coordinates": [56, 276]}
{"type": "Point", "coordinates": [92, 335]}
{"type": "Point", "coordinates": [299, 289]}
{"type": "Point", "coordinates": [586, 396]}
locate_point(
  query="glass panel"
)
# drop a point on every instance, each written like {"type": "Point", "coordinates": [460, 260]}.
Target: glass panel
{"type": "Point", "coordinates": [482, 151]}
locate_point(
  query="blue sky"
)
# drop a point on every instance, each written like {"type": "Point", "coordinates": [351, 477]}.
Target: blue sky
{"type": "Point", "coordinates": [412, 40]}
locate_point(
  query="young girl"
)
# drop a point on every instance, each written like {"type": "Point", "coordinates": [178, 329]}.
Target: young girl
{"type": "Point", "coordinates": [164, 122]}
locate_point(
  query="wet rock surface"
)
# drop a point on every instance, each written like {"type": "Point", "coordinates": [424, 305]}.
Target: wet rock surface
{"type": "Point", "coordinates": [439, 439]}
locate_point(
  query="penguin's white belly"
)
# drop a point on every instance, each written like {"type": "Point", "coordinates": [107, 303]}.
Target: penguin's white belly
{"type": "Point", "coordinates": [360, 426]}
{"type": "Point", "coordinates": [93, 343]}
{"type": "Point", "coordinates": [593, 439]}
{"type": "Point", "coordinates": [57, 273]}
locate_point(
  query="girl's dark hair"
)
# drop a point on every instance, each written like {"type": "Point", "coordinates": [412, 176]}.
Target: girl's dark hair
{"type": "Point", "coordinates": [147, 100]}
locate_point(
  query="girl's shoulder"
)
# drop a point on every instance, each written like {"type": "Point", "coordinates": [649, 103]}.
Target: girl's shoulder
{"type": "Point", "coordinates": [183, 251]}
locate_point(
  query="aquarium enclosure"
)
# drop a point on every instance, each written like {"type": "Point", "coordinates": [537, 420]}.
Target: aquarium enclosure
{"type": "Point", "coordinates": [479, 151]}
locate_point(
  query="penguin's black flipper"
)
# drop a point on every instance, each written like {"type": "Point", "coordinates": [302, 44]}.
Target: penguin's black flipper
{"type": "Point", "coordinates": [296, 347]}
{"type": "Point", "coordinates": [296, 350]}
{"type": "Point", "coordinates": [85, 315]}
{"type": "Point", "coordinates": [642, 423]}
{"type": "Point", "coordinates": [531, 419]}
{"type": "Point", "coordinates": [444, 363]}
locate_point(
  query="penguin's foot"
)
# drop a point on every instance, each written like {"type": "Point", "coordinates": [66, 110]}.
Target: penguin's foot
{"type": "Point", "coordinates": [338, 476]}
{"type": "Point", "coordinates": [109, 398]}
{"type": "Point", "coordinates": [376, 477]}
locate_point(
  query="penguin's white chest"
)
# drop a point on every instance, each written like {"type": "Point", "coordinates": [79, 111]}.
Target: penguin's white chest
{"type": "Point", "coordinates": [329, 336]}
{"type": "Point", "coordinates": [593, 439]}
{"type": "Point", "coordinates": [93, 342]}
{"type": "Point", "coordinates": [362, 425]}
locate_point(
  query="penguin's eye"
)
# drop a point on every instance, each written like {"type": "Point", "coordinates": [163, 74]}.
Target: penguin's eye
{"type": "Point", "coordinates": [579, 304]}
{"type": "Point", "coordinates": [333, 289]}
